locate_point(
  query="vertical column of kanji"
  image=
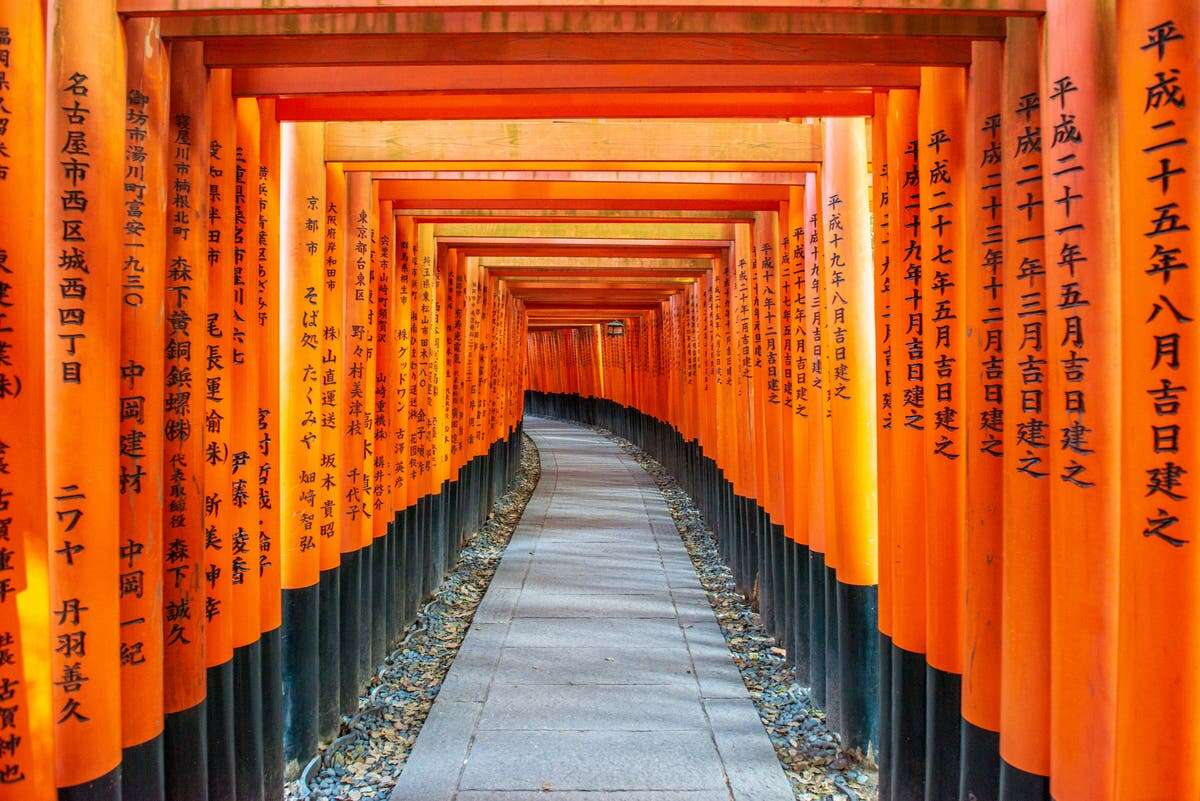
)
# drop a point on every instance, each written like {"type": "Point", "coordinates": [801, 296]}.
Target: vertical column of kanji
{"type": "Point", "coordinates": [1083, 352]}
{"type": "Point", "coordinates": [881, 253]}
{"type": "Point", "coordinates": [418, 410]}
{"type": "Point", "coordinates": [218, 410]}
{"type": "Point", "coordinates": [802, 435]}
{"type": "Point", "coordinates": [141, 410]}
{"type": "Point", "coordinates": [246, 355]}
{"type": "Point", "coordinates": [269, 523]}
{"type": "Point", "coordinates": [983, 423]}
{"type": "Point", "coordinates": [301, 208]}
{"type": "Point", "coordinates": [1025, 633]}
{"type": "Point", "coordinates": [1025, 636]}
{"type": "Point", "coordinates": [185, 743]}
{"type": "Point", "coordinates": [768, 315]}
{"type": "Point", "coordinates": [385, 227]}
{"type": "Point", "coordinates": [727, 457]}
{"type": "Point", "coordinates": [356, 532]}
{"type": "Point", "coordinates": [1158, 713]}
{"type": "Point", "coordinates": [907, 752]}
{"type": "Point", "coordinates": [851, 313]}
{"type": "Point", "coordinates": [84, 165]}
{"type": "Point", "coordinates": [941, 144]}
{"type": "Point", "coordinates": [405, 520]}
{"type": "Point", "coordinates": [27, 728]}
{"type": "Point", "coordinates": [376, 546]}
{"type": "Point", "coordinates": [742, 303]}
{"type": "Point", "coordinates": [818, 437]}
{"type": "Point", "coordinates": [330, 512]}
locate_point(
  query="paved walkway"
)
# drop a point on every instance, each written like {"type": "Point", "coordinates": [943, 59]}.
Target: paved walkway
{"type": "Point", "coordinates": [594, 668]}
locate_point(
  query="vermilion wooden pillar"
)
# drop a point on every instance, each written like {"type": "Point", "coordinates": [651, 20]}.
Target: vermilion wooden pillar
{"type": "Point", "coordinates": [302, 244]}
{"type": "Point", "coordinates": [246, 357]}
{"type": "Point", "coordinates": [85, 110]}
{"type": "Point", "coordinates": [335, 700]}
{"type": "Point", "coordinates": [983, 422]}
{"type": "Point", "coordinates": [28, 769]}
{"type": "Point", "coordinates": [385, 227]}
{"type": "Point", "coordinates": [884, 418]}
{"type": "Point", "coordinates": [218, 413]}
{"type": "Point", "coordinates": [907, 753]}
{"type": "Point", "coordinates": [1158, 708]}
{"type": "Point", "coordinates": [1025, 616]}
{"type": "Point", "coordinates": [185, 743]}
{"type": "Point", "coordinates": [141, 410]}
{"type": "Point", "coordinates": [850, 350]}
{"type": "Point", "coordinates": [270, 524]}
{"type": "Point", "coordinates": [941, 147]}
{"type": "Point", "coordinates": [1083, 280]}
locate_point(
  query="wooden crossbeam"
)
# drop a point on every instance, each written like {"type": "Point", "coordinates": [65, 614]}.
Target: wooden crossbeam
{"type": "Point", "coordinates": [562, 20]}
{"type": "Point", "coordinates": [424, 78]}
{"type": "Point", "coordinates": [615, 176]}
{"type": "Point", "coordinates": [777, 104]}
{"type": "Point", "coordinates": [452, 233]}
{"type": "Point", "coordinates": [573, 140]}
{"type": "Point", "coordinates": [581, 48]}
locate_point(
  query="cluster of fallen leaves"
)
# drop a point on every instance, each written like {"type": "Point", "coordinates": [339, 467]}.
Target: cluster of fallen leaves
{"type": "Point", "coordinates": [364, 762]}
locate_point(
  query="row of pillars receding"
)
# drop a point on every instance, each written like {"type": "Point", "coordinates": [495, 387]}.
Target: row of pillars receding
{"type": "Point", "coordinates": [957, 368]}
{"type": "Point", "coordinates": [247, 418]}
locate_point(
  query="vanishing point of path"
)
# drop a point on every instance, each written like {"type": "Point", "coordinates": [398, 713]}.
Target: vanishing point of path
{"type": "Point", "coordinates": [594, 667]}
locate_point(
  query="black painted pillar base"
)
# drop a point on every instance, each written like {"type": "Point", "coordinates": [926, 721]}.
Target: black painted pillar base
{"type": "Point", "coordinates": [366, 575]}
{"type": "Point", "coordinates": [271, 644]}
{"type": "Point", "coordinates": [979, 776]}
{"type": "Point", "coordinates": [329, 712]}
{"type": "Point", "coordinates": [142, 770]}
{"type": "Point", "coordinates": [802, 657]}
{"type": "Point", "coordinates": [379, 569]}
{"type": "Point", "coordinates": [833, 660]}
{"type": "Point", "coordinates": [221, 754]}
{"type": "Point", "coordinates": [349, 590]}
{"type": "Point", "coordinates": [858, 670]}
{"type": "Point", "coordinates": [247, 721]}
{"type": "Point", "coordinates": [908, 725]}
{"type": "Point", "coordinates": [816, 627]}
{"type": "Point", "coordinates": [885, 717]}
{"type": "Point", "coordinates": [301, 677]}
{"type": "Point", "coordinates": [185, 755]}
{"type": "Point", "coordinates": [943, 733]}
{"type": "Point", "coordinates": [102, 788]}
{"type": "Point", "coordinates": [1018, 785]}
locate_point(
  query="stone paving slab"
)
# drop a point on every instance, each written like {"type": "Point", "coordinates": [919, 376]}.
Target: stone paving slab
{"type": "Point", "coordinates": [595, 668]}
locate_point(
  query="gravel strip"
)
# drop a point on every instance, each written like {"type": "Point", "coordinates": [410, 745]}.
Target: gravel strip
{"type": "Point", "coordinates": [363, 763]}
{"type": "Point", "coordinates": [809, 750]}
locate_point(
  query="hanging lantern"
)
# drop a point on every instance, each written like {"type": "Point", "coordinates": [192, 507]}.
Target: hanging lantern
{"type": "Point", "coordinates": [616, 328]}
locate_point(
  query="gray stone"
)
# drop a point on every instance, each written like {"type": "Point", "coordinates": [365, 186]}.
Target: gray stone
{"type": "Point", "coordinates": [595, 707]}
{"type": "Point", "coordinates": [750, 763]}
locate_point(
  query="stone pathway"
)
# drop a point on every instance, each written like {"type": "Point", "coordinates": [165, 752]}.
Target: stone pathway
{"type": "Point", "coordinates": [594, 667]}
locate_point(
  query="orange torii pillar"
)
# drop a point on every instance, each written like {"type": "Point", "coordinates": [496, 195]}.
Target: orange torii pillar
{"type": "Point", "coordinates": [301, 212]}
{"type": "Point", "coordinates": [356, 449]}
{"type": "Point", "coordinates": [218, 412]}
{"type": "Point", "coordinates": [906, 753]}
{"type": "Point", "coordinates": [385, 232]}
{"type": "Point", "coordinates": [269, 521]}
{"type": "Point", "coordinates": [1025, 616]}
{"type": "Point", "coordinates": [795, 276]}
{"type": "Point", "coordinates": [85, 112]}
{"type": "Point", "coordinates": [141, 411]}
{"type": "Point", "coordinates": [881, 259]}
{"type": "Point", "coordinates": [185, 741]}
{"type": "Point", "coordinates": [406, 340]}
{"type": "Point", "coordinates": [941, 144]}
{"type": "Point", "coordinates": [246, 358]}
{"type": "Point", "coordinates": [1158, 709]}
{"type": "Point", "coordinates": [1083, 354]}
{"type": "Point", "coordinates": [819, 501]}
{"type": "Point", "coordinates": [983, 423]}
{"type": "Point", "coordinates": [336, 699]}
{"type": "Point", "coordinates": [27, 768]}
{"type": "Point", "coordinates": [850, 311]}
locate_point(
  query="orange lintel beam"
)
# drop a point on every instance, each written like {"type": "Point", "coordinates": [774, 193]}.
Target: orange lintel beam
{"type": "Point", "coordinates": [580, 48]}
{"type": "Point", "coordinates": [752, 177]}
{"type": "Point", "coordinates": [527, 105]}
{"type": "Point", "coordinates": [166, 8]}
{"type": "Point", "coordinates": [554, 20]}
{"type": "Point", "coordinates": [411, 78]}
{"type": "Point", "coordinates": [549, 191]}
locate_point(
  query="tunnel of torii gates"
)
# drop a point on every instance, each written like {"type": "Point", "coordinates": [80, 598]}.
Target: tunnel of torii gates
{"type": "Point", "coordinates": [902, 291]}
